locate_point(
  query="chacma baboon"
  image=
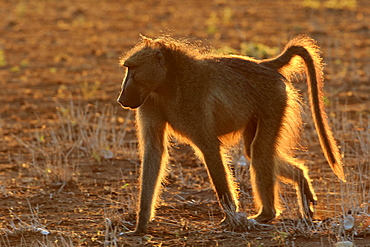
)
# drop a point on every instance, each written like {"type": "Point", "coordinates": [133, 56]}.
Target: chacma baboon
{"type": "Point", "coordinates": [211, 101]}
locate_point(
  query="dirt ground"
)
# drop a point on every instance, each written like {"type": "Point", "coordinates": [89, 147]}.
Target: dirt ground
{"type": "Point", "coordinates": [68, 153]}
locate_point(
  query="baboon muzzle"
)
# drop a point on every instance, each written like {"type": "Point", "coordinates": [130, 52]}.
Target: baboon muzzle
{"type": "Point", "coordinates": [129, 100]}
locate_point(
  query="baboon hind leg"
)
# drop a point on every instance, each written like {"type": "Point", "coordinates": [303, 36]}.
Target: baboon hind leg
{"type": "Point", "coordinates": [248, 136]}
{"type": "Point", "coordinates": [263, 170]}
{"type": "Point", "coordinates": [220, 174]}
{"type": "Point", "coordinates": [297, 175]}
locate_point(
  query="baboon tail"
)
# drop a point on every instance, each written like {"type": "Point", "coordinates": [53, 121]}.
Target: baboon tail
{"type": "Point", "coordinates": [307, 49]}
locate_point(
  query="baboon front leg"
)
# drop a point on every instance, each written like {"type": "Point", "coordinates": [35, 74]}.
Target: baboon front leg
{"type": "Point", "coordinates": [298, 176]}
{"type": "Point", "coordinates": [152, 140]}
{"type": "Point", "coordinates": [151, 177]}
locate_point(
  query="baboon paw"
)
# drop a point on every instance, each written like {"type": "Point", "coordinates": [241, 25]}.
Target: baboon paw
{"type": "Point", "coordinates": [235, 220]}
{"type": "Point", "coordinates": [253, 224]}
{"type": "Point", "coordinates": [264, 217]}
{"type": "Point", "coordinates": [239, 221]}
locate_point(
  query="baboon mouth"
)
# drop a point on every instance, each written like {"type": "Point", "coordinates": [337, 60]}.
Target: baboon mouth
{"type": "Point", "coordinates": [130, 101]}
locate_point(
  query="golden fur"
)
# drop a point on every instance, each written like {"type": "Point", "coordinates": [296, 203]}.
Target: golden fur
{"type": "Point", "coordinates": [212, 101]}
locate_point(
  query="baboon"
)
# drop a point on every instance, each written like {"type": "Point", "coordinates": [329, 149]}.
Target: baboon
{"type": "Point", "coordinates": [212, 101]}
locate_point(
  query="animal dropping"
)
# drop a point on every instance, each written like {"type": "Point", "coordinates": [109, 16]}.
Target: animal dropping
{"type": "Point", "coordinates": [212, 101]}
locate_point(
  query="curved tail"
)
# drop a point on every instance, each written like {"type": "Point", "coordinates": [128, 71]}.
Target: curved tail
{"type": "Point", "coordinates": [307, 49]}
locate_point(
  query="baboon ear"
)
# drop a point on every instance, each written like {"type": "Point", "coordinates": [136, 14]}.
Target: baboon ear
{"type": "Point", "coordinates": [160, 58]}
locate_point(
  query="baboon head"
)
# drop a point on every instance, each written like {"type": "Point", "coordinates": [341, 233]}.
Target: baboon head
{"type": "Point", "coordinates": [146, 72]}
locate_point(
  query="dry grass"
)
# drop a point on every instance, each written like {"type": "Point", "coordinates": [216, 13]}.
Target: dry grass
{"type": "Point", "coordinates": [80, 133]}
